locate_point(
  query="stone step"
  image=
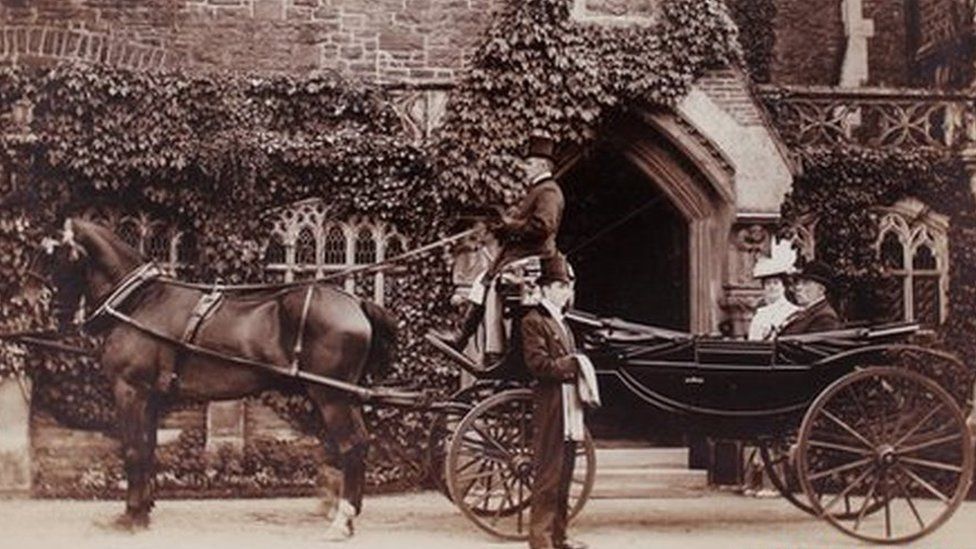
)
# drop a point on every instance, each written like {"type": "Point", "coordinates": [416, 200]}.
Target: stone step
{"type": "Point", "coordinates": [632, 458]}
{"type": "Point", "coordinates": [649, 482]}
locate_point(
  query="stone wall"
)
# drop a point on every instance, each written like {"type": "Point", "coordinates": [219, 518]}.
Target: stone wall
{"type": "Point", "coordinates": [801, 24]}
{"type": "Point", "coordinates": [382, 40]}
{"type": "Point", "coordinates": [811, 41]}
{"type": "Point", "coordinates": [888, 55]}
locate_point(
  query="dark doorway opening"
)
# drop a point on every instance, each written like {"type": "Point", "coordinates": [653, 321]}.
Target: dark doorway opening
{"type": "Point", "coordinates": [626, 241]}
{"type": "Point", "coordinates": [629, 247]}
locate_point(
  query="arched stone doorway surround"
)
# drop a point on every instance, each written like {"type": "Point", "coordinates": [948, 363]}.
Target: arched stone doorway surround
{"type": "Point", "coordinates": [724, 174]}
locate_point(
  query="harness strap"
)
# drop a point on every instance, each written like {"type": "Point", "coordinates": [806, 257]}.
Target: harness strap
{"type": "Point", "coordinates": [301, 330]}
{"type": "Point", "coordinates": [205, 307]}
{"type": "Point", "coordinates": [352, 388]}
{"type": "Point", "coordinates": [125, 288]}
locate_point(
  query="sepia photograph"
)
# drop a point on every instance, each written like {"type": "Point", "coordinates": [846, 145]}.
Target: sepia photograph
{"type": "Point", "coordinates": [459, 274]}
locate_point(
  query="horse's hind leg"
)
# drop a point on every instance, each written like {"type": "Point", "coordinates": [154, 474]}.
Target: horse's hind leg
{"type": "Point", "coordinates": [344, 423]}
{"type": "Point", "coordinates": [137, 427]}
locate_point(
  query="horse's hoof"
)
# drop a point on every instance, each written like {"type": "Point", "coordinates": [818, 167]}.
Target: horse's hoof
{"type": "Point", "coordinates": [337, 533]}
{"type": "Point", "coordinates": [131, 523]}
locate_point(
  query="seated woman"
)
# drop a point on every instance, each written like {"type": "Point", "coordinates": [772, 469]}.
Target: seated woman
{"type": "Point", "coordinates": [776, 308]}
{"type": "Point", "coordinates": [817, 315]}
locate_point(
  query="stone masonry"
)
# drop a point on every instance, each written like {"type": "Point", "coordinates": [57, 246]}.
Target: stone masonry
{"type": "Point", "coordinates": [379, 40]}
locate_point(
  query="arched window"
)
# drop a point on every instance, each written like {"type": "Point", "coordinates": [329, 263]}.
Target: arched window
{"type": "Point", "coordinates": [305, 248]}
{"type": "Point", "coordinates": [275, 253]}
{"type": "Point", "coordinates": [335, 246]}
{"type": "Point", "coordinates": [365, 247]}
{"type": "Point", "coordinates": [394, 247]}
{"type": "Point", "coordinates": [913, 249]}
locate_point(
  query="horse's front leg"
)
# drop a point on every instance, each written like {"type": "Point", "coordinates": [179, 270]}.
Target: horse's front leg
{"type": "Point", "coordinates": [137, 426]}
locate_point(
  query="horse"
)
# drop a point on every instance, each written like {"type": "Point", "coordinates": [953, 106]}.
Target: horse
{"type": "Point", "coordinates": [312, 326]}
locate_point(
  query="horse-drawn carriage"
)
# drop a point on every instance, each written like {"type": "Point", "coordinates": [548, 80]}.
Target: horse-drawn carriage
{"type": "Point", "coordinates": [849, 427]}
{"type": "Point", "coordinates": [880, 451]}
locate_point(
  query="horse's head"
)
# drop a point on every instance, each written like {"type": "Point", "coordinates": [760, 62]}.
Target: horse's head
{"type": "Point", "coordinates": [60, 263]}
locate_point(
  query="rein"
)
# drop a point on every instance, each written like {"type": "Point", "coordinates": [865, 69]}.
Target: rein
{"type": "Point", "coordinates": [378, 266]}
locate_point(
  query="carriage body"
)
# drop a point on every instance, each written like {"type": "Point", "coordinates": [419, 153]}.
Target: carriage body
{"type": "Point", "coordinates": [732, 388]}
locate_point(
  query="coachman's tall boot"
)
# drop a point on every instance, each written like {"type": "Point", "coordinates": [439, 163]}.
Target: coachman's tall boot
{"type": "Point", "coordinates": [458, 338]}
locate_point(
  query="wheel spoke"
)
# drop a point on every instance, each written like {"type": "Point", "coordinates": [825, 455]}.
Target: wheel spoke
{"type": "Point", "coordinates": [858, 399]}
{"type": "Point", "coordinates": [475, 476]}
{"type": "Point", "coordinates": [848, 490]}
{"type": "Point", "coordinates": [841, 447]}
{"type": "Point", "coordinates": [887, 516]}
{"type": "Point", "coordinates": [849, 429]}
{"type": "Point", "coordinates": [846, 467]}
{"type": "Point", "coordinates": [924, 484]}
{"type": "Point", "coordinates": [911, 503]}
{"type": "Point", "coordinates": [867, 499]}
{"type": "Point", "coordinates": [493, 442]}
{"type": "Point", "coordinates": [932, 464]}
{"type": "Point", "coordinates": [918, 425]}
{"type": "Point", "coordinates": [929, 444]}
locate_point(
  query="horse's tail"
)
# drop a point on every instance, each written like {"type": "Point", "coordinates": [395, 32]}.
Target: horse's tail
{"type": "Point", "coordinates": [382, 347]}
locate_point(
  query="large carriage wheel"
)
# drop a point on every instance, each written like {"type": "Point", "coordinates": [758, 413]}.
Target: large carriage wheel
{"type": "Point", "coordinates": [489, 466]}
{"type": "Point", "coordinates": [888, 437]}
{"type": "Point", "coordinates": [776, 454]}
{"type": "Point", "coordinates": [444, 424]}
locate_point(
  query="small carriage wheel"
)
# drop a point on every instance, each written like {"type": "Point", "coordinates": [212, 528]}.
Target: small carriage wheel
{"type": "Point", "coordinates": [489, 466]}
{"type": "Point", "coordinates": [775, 454]}
{"type": "Point", "coordinates": [889, 436]}
{"type": "Point", "coordinates": [778, 465]}
{"type": "Point", "coordinates": [445, 423]}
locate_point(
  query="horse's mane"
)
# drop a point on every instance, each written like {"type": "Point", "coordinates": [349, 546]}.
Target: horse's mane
{"type": "Point", "coordinates": [111, 251]}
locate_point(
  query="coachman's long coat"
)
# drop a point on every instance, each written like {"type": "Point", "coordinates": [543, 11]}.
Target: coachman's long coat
{"type": "Point", "coordinates": [547, 353]}
{"type": "Point", "coordinates": [531, 226]}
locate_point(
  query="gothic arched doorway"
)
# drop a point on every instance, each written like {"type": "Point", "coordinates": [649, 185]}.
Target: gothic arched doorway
{"type": "Point", "coordinates": [626, 241]}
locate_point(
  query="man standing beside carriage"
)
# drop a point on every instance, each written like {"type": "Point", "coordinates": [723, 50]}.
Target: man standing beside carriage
{"type": "Point", "coordinates": [565, 382]}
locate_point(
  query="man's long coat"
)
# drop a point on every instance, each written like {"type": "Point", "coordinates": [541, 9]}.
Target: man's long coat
{"type": "Point", "coordinates": [547, 351]}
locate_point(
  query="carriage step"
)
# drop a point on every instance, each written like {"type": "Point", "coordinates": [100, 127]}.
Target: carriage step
{"type": "Point", "coordinates": [628, 458]}
{"type": "Point", "coordinates": [649, 482]}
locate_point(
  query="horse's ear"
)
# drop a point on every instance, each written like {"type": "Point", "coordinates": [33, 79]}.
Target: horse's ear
{"type": "Point", "coordinates": [68, 238]}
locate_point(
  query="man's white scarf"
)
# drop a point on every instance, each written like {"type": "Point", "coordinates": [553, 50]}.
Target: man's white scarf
{"type": "Point", "coordinates": [585, 392]}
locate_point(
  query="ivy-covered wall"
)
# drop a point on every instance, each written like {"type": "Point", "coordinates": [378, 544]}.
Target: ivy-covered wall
{"type": "Point", "coordinates": [214, 153]}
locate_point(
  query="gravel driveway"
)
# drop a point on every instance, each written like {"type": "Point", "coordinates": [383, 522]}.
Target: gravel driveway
{"type": "Point", "coordinates": [428, 521]}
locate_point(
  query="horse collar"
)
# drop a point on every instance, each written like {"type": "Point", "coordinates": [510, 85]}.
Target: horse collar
{"type": "Point", "coordinates": [125, 288]}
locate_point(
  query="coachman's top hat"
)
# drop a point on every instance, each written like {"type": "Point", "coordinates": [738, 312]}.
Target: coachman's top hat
{"type": "Point", "coordinates": [555, 268]}
{"type": "Point", "coordinates": [540, 146]}
{"type": "Point", "coordinates": [818, 271]}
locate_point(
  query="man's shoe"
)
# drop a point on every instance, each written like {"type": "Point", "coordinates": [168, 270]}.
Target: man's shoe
{"type": "Point", "coordinates": [572, 544]}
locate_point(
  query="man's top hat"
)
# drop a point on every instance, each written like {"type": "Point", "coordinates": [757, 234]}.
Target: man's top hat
{"type": "Point", "coordinates": [540, 145]}
{"type": "Point", "coordinates": [555, 268]}
{"type": "Point", "coordinates": [818, 271]}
